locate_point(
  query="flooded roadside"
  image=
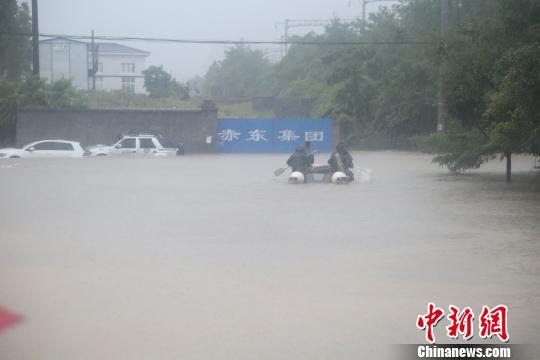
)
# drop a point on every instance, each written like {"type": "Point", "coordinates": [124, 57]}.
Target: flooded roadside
{"type": "Point", "coordinates": [212, 257]}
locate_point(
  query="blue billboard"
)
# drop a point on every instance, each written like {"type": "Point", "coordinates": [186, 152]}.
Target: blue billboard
{"type": "Point", "coordinates": [272, 135]}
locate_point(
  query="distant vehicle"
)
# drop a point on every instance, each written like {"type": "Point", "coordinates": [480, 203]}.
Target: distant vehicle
{"type": "Point", "coordinates": [141, 144]}
{"type": "Point", "coordinates": [46, 149]}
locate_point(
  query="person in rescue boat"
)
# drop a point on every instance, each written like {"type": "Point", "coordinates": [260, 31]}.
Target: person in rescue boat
{"type": "Point", "coordinates": [309, 153]}
{"type": "Point", "coordinates": [341, 160]}
{"type": "Point", "coordinates": [300, 160]}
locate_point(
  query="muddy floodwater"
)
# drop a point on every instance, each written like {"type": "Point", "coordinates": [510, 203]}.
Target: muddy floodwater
{"type": "Point", "coordinates": [211, 257]}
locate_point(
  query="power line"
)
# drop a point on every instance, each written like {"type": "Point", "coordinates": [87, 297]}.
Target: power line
{"type": "Point", "coordinates": [292, 23]}
{"type": "Point", "coordinates": [221, 42]}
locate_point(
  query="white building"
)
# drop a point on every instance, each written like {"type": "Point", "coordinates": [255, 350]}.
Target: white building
{"type": "Point", "coordinates": [119, 67]}
{"type": "Point", "coordinates": [64, 59]}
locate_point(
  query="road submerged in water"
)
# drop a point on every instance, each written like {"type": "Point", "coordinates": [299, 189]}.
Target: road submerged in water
{"type": "Point", "coordinates": [211, 257]}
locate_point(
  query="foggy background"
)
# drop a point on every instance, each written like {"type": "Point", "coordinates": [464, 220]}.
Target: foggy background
{"type": "Point", "coordinates": [193, 20]}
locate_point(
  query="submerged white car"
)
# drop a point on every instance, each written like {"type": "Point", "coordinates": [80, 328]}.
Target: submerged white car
{"type": "Point", "coordinates": [138, 145]}
{"type": "Point", "coordinates": [46, 149]}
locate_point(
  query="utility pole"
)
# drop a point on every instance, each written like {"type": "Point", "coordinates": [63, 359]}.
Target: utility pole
{"type": "Point", "coordinates": [441, 103]}
{"type": "Point", "coordinates": [286, 38]}
{"type": "Point", "coordinates": [94, 59]}
{"type": "Point", "coordinates": [364, 3]}
{"type": "Point", "coordinates": [35, 39]}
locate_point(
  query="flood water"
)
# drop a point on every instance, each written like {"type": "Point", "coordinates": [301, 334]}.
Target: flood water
{"type": "Point", "coordinates": [211, 257]}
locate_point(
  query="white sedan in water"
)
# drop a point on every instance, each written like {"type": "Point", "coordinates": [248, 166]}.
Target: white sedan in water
{"type": "Point", "coordinates": [142, 144]}
{"type": "Point", "coordinates": [46, 149]}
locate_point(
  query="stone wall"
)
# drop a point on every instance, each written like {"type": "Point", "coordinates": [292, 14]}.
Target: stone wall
{"type": "Point", "coordinates": [103, 126]}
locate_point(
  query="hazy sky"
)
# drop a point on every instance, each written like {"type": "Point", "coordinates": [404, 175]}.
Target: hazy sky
{"type": "Point", "coordinates": [182, 19]}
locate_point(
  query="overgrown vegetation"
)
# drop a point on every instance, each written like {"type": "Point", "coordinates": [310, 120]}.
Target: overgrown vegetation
{"type": "Point", "coordinates": [385, 96]}
{"type": "Point", "coordinates": [121, 99]}
{"type": "Point", "coordinates": [161, 84]}
{"type": "Point", "coordinates": [493, 83]}
{"type": "Point", "coordinates": [31, 92]}
{"type": "Point", "coordinates": [15, 50]}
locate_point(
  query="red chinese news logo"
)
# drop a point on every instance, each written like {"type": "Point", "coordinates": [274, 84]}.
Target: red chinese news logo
{"type": "Point", "coordinates": [461, 322]}
{"type": "Point", "coordinates": [429, 321]}
{"type": "Point", "coordinates": [492, 322]}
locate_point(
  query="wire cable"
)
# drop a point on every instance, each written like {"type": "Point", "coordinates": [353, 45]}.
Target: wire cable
{"type": "Point", "coordinates": [221, 42]}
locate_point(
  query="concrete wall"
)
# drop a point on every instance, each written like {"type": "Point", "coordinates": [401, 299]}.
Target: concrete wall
{"type": "Point", "coordinates": [91, 127]}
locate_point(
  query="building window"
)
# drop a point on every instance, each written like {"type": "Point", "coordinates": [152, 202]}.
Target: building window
{"type": "Point", "coordinates": [99, 83]}
{"type": "Point", "coordinates": [128, 84]}
{"type": "Point", "coordinates": [100, 67]}
{"type": "Point", "coordinates": [128, 68]}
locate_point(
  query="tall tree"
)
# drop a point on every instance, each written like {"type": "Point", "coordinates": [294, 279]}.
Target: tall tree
{"type": "Point", "coordinates": [238, 74]}
{"type": "Point", "coordinates": [160, 84]}
{"type": "Point", "coordinates": [385, 92]}
{"type": "Point", "coordinates": [492, 63]}
{"type": "Point", "coordinates": [512, 106]}
{"type": "Point", "coordinates": [15, 46]}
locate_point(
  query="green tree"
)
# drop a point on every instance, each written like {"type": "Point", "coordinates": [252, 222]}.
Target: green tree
{"type": "Point", "coordinates": [458, 147]}
{"type": "Point", "coordinates": [512, 106]}
{"type": "Point", "coordinates": [15, 50]}
{"type": "Point", "coordinates": [161, 84]}
{"type": "Point", "coordinates": [492, 64]}
{"type": "Point", "coordinates": [513, 103]}
{"type": "Point", "coordinates": [31, 92]}
{"type": "Point", "coordinates": [385, 93]}
{"type": "Point", "coordinates": [239, 74]}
